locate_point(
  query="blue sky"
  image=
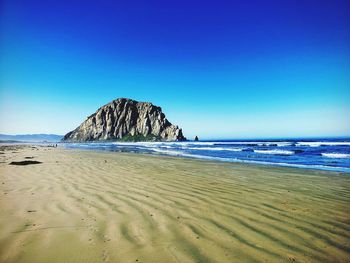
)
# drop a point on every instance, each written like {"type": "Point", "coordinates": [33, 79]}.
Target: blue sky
{"type": "Point", "coordinates": [219, 69]}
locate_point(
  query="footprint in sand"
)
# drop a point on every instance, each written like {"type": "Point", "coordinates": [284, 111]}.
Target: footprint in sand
{"type": "Point", "coordinates": [291, 259]}
{"type": "Point", "coordinates": [105, 256]}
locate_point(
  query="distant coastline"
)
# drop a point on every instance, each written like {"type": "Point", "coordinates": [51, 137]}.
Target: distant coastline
{"type": "Point", "coordinates": [41, 137]}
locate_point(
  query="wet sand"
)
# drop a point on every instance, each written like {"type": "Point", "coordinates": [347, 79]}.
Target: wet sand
{"type": "Point", "coordinates": [83, 206]}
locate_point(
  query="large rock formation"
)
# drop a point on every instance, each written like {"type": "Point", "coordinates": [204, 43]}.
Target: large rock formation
{"type": "Point", "coordinates": [126, 120]}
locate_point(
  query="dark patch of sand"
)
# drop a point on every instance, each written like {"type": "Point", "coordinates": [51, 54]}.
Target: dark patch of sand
{"type": "Point", "coordinates": [24, 162]}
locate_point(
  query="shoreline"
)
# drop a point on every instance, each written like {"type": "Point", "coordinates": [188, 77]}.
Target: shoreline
{"type": "Point", "coordinates": [92, 206]}
{"type": "Point", "coordinates": [321, 155]}
{"type": "Point", "coordinates": [238, 162]}
{"type": "Point", "coordinates": [198, 156]}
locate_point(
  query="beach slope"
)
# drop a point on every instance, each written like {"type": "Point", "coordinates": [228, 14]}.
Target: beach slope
{"type": "Point", "coordinates": [84, 206]}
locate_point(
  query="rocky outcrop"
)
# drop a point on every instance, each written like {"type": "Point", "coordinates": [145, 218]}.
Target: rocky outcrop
{"type": "Point", "coordinates": [126, 120]}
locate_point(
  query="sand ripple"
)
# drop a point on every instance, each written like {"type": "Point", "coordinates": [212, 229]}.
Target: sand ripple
{"type": "Point", "coordinates": [108, 207]}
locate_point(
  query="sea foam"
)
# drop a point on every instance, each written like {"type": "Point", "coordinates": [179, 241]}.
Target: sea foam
{"type": "Point", "coordinates": [214, 149]}
{"type": "Point", "coordinates": [318, 144]}
{"type": "Point", "coordinates": [281, 152]}
{"type": "Point", "coordinates": [336, 155]}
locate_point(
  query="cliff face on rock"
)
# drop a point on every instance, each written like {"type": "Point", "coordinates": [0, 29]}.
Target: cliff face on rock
{"type": "Point", "coordinates": [126, 120]}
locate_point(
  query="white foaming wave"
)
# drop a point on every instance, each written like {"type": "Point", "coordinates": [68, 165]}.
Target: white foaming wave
{"type": "Point", "coordinates": [170, 152]}
{"type": "Point", "coordinates": [318, 144]}
{"type": "Point", "coordinates": [145, 144]}
{"type": "Point", "coordinates": [166, 146]}
{"type": "Point", "coordinates": [214, 149]}
{"type": "Point", "coordinates": [259, 143]}
{"type": "Point", "coordinates": [195, 144]}
{"type": "Point", "coordinates": [236, 160]}
{"type": "Point", "coordinates": [275, 152]}
{"type": "Point", "coordinates": [198, 156]}
{"type": "Point", "coordinates": [336, 155]}
{"type": "Point", "coordinates": [278, 144]}
{"type": "Point", "coordinates": [284, 144]}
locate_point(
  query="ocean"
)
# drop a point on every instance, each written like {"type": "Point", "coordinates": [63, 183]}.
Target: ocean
{"type": "Point", "coordinates": [323, 154]}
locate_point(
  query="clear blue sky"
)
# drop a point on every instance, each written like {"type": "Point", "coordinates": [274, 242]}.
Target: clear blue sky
{"type": "Point", "coordinates": [219, 69]}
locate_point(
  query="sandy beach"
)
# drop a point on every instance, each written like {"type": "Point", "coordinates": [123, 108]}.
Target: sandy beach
{"type": "Point", "coordinates": [85, 206]}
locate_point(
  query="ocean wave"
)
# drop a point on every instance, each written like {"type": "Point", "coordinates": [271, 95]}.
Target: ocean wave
{"type": "Point", "coordinates": [294, 165]}
{"type": "Point", "coordinates": [169, 152]}
{"type": "Point", "coordinates": [214, 149]}
{"type": "Point", "coordinates": [180, 150]}
{"type": "Point", "coordinates": [212, 143]}
{"type": "Point", "coordinates": [280, 152]}
{"type": "Point", "coordinates": [257, 143]}
{"type": "Point", "coordinates": [183, 154]}
{"type": "Point", "coordinates": [336, 155]}
{"type": "Point", "coordinates": [276, 144]}
{"type": "Point", "coordinates": [238, 160]}
{"type": "Point", "coordinates": [153, 144]}
{"type": "Point", "coordinates": [318, 144]}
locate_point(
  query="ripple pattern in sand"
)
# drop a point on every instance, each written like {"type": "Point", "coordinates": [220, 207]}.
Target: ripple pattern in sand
{"type": "Point", "coordinates": [96, 207]}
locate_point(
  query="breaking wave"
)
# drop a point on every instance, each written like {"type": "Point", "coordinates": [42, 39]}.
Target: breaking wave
{"type": "Point", "coordinates": [215, 149]}
{"type": "Point", "coordinates": [326, 155]}
{"type": "Point", "coordinates": [318, 144]}
{"type": "Point", "coordinates": [336, 155]}
{"type": "Point", "coordinates": [280, 152]}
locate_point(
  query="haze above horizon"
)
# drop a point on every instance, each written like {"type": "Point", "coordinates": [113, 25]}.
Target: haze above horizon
{"type": "Point", "coordinates": [225, 70]}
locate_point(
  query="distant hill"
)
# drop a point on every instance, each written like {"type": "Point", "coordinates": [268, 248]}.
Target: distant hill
{"type": "Point", "coordinates": [30, 138]}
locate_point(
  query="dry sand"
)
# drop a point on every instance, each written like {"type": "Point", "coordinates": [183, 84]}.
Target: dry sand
{"type": "Point", "coordinates": [82, 206]}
